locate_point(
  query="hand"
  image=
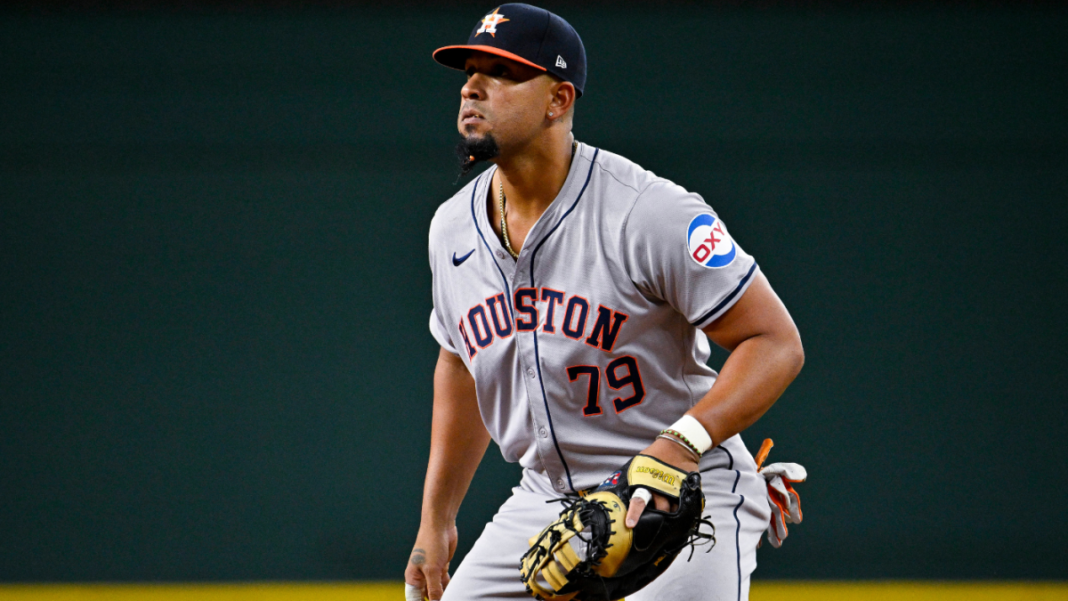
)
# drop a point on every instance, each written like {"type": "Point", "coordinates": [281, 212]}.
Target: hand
{"type": "Point", "coordinates": [428, 566]}
{"type": "Point", "coordinates": [671, 454]}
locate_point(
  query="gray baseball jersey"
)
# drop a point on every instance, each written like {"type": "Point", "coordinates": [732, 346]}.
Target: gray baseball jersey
{"type": "Point", "coordinates": [589, 344]}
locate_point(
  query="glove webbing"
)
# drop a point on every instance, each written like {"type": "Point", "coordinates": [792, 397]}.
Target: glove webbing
{"type": "Point", "coordinates": [557, 559]}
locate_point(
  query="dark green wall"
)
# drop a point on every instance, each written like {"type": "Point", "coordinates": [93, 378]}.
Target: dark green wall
{"type": "Point", "coordinates": [214, 360]}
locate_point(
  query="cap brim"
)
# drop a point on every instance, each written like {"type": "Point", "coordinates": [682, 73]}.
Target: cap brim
{"type": "Point", "coordinates": [454, 57]}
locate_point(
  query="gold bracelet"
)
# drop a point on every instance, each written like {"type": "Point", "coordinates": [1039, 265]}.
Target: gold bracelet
{"type": "Point", "coordinates": [693, 454]}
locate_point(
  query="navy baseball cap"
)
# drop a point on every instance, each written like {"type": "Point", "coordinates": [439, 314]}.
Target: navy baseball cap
{"type": "Point", "coordinates": [526, 34]}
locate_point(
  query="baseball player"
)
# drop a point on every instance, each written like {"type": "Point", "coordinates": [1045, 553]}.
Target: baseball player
{"type": "Point", "coordinates": [575, 295]}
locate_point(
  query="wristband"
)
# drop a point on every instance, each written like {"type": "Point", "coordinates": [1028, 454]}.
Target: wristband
{"type": "Point", "coordinates": [691, 431]}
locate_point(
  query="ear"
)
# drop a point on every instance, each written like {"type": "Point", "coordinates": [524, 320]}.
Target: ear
{"type": "Point", "coordinates": [562, 96]}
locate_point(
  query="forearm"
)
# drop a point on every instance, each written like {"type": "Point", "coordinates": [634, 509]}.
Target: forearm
{"type": "Point", "coordinates": [454, 456]}
{"type": "Point", "coordinates": [754, 376]}
{"type": "Point", "coordinates": [458, 441]}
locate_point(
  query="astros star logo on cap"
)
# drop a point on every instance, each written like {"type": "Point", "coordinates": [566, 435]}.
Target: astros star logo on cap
{"type": "Point", "coordinates": [534, 37]}
{"type": "Point", "coordinates": [490, 23]}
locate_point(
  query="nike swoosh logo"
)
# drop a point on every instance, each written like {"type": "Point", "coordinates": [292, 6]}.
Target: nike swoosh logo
{"type": "Point", "coordinates": [457, 262]}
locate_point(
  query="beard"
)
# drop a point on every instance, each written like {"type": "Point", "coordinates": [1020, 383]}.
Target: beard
{"type": "Point", "coordinates": [471, 150]}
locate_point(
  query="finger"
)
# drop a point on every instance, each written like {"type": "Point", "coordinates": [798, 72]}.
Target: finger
{"type": "Point", "coordinates": [413, 576]}
{"type": "Point", "coordinates": [662, 503]}
{"type": "Point", "coordinates": [637, 505]}
{"type": "Point", "coordinates": [434, 588]}
{"type": "Point", "coordinates": [412, 593]}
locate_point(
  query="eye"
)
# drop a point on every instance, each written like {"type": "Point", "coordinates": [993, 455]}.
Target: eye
{"type": "Point", "coordinates": [499, 71]}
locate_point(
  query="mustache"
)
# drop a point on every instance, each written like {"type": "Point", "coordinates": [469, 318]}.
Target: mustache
{"type": "Point", "coordinates": [471, 150]}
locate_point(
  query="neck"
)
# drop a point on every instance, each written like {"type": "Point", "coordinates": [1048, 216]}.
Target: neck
{"type": "Point", "coordinates": [533, 177]}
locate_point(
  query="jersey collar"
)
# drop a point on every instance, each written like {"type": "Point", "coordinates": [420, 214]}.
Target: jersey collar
{"type": "Point", "coordinates": [576, 176]}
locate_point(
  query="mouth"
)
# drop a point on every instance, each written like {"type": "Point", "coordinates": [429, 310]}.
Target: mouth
{"type": "Point", "coordinates": [471, 117]}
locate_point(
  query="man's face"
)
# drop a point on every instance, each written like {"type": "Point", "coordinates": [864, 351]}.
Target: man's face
{"type": "Point", "coordinates": [504, 98]}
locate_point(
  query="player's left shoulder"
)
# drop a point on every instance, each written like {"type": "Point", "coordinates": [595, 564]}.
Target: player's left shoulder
{"type": "Point", "coordinates": [666, 216]}
{"type": "Point", "coordinates": [628, 182]}
{"type": "Point", "coordinates": [619, 172]}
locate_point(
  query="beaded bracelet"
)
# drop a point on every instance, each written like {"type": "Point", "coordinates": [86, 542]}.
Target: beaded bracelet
{"type": "Point", "coordinates": [678, 435]}
{"type": "Point", "coordinates": [693, 454]}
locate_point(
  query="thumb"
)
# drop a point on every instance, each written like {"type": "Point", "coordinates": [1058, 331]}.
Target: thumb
{"type": "Point", "coordinates": [638, 502]}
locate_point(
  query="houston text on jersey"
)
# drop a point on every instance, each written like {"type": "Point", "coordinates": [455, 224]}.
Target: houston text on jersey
{"type": "Point", "coordinates": [491, 320]}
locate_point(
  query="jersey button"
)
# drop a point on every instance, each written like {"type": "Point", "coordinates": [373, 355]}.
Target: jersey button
{"type": "Point", "coordinates": [543, 432]}
{"type": "Point", "coordinates": [500, 254]}
{"type": "Point", "coordinates": [530, 372]}
{"type": "Point", "coordinates": [560, 484]}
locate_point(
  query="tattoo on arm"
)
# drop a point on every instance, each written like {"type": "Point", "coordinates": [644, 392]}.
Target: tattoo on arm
{"type": "Point", "coordinates": [418, 557]}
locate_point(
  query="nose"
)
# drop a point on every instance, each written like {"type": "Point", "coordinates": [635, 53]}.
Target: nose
{"type": "Point", "coordinates": [473, 89]}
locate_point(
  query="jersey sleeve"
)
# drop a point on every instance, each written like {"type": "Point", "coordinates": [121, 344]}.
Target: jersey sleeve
{"type": "Point", "coordinates": [438, 329]}
{"type": "Point", "coordinates": [678, 250]}
{"type": "Point", "coordinates": [441, 333]}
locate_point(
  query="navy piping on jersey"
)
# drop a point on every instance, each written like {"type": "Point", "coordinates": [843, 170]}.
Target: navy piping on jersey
{"type": "Point", "coordinates": [738, 523]}
{"type": "Point", "coordinates": [507, 288]}
{"type": "Point", "coordinates": [737, 542]}
{"type": "Point", "coordinates": [730, 296]}
{"type": "Point", "coordinates": [537, 357]}
{"type": "Point", "coordinates": [730, 465]}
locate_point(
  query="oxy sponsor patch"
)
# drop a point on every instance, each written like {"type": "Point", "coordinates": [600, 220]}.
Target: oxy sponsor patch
{"type": "Point", "coordinates": [708, 242]}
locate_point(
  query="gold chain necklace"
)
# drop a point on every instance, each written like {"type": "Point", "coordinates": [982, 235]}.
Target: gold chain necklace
{"type": "Point", "coordinates": [504, 222]}
{"type": "Point", "coordinates": [500, 206]}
